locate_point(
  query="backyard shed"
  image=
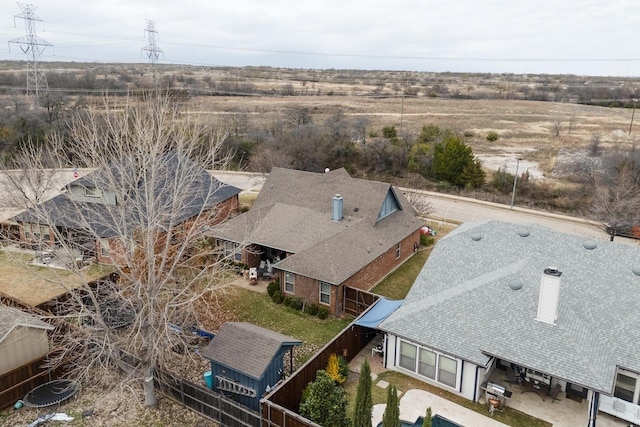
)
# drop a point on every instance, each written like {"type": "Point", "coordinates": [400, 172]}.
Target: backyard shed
{"type": "Point", "coordinates": [23, 344]}
{"type": "Point", "coordinates": [247, 360]}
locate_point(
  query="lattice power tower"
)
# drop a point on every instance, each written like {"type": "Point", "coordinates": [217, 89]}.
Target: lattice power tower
{"type": "Point", "coordinates": [152, 49]}
{"type": "Point", "coordinates": [32, 46]}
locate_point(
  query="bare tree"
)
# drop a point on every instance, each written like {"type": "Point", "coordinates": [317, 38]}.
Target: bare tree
{"type": "Point", "coordinates": [595, 148]}
{"type": "Point", "coordinates": [617, 200]}
{"type": "Point", "coordinates": [146, 209]}
{"type": "Point", "coordinates": [420, 203]}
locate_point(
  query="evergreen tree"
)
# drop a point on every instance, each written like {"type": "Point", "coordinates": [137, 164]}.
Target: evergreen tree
{"type": "Point", "coordinates": [364, 404]}
{"type": "Point", "coordinates": [325, 402]}
{"type": "Point", "coordinates": [427, 418]}
{"type": "Point", "coordinates": [391, 417]}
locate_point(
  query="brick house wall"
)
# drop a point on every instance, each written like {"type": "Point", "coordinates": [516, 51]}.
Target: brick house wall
{"type": "Point", "coordinates": [309, 289]}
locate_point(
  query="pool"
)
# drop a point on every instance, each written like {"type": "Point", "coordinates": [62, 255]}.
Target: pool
{"type": "Point", "coordinates": [436, 421]}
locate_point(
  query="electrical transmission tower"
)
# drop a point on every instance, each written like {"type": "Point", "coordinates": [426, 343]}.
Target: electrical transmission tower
{"type": "Point", "coordinates": [32, 46]}
{"type": "Point", "coordinates": [152, 49]}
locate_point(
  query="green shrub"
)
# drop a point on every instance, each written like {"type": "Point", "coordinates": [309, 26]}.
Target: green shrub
{"type": "Point", "coordinates": [277, 297]}
{"type": "Point", "coordinates": [468, 134]}
{"type": "Point", "coordinates": [272, 287]}
{"type": "Point", "coordinates": [311, 309]}
{"type": "Point", "coordinates": [296, 303]}
{"type": "Point", "coordinates": [492, 136]}
{"type": "Point", "coordinates": [323, 312]}
{"type": "Point", "coordinates": [426, 240]}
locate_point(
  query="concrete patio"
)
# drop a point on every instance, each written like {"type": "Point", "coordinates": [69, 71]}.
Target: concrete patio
{"type": "Point", "coordinates": [562, 412]}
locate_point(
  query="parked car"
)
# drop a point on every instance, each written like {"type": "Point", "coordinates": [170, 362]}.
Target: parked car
{"type": "Point", "coordinates": [624, 230]}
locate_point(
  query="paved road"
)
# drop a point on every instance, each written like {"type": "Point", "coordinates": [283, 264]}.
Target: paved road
{"type": "Point", "coordinates": [454, 209]}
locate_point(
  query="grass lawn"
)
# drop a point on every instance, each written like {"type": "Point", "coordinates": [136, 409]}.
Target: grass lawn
{"type": "Point", "coordinates": [258, 309]}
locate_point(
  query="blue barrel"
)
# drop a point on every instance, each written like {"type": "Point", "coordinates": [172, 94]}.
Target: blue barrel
{"type": "Point", "coordinates": [208, 379]}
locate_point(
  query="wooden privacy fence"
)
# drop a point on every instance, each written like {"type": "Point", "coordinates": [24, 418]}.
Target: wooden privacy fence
{"type": "Point", "coordinates": [280, 407]}
{"type": "Point", "coordinates": [356, 301]}
{"type": "Point", "coordinates": [208, 403]}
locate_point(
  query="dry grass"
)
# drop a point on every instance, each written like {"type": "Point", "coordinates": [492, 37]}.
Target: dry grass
{"type": "Point", "coordinates": [33, 285]}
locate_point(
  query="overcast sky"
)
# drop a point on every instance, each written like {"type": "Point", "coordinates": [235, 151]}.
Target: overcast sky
{"type": "Point", "coordinates": [585, 37]}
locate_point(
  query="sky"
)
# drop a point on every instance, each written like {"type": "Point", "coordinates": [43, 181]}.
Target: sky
{"type": "Point", "coordinates": [583, 37]}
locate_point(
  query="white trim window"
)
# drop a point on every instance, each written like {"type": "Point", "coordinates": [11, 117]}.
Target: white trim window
{"type": "Point", "coordinates": [325, 293]}
{"type": "Point", "coordinates": [429, 363]}
{"type": "Point", "coordinates": [627, 387]}
{"type": "Point", "coordinates": [398, 250]}
{"type": "Point", "coordinates": [408, 355]}
{"type": "Point", "coordinates": [93, 192]}
{"type": "Point", "coordinates": [289, 282]}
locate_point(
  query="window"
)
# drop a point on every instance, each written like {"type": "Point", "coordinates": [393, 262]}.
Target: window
{"type": "Point", "coordinates": [105, 250]}
{"type": "Point", "coordinates": [92, 192]}
{"type": "Point", "coordinates": [625, 387]}
{"type": "Point", "coordinates": [398, 250]}
{"type": "Point", "coordinates": [408, 355]}
{"type": "Point", "coordinates": [447, 370]}
{"type": "Point", "coordinates": [36, 231]}
{"type": "Point", "coordinates": [289, 282]}
{"type": "Point", "coordinates": [427, 364]}
{"type": "Point", "coordinates": [325, 293]}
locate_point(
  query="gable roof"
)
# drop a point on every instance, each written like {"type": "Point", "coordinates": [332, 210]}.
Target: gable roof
{"type": "Point", "coordinates": [246, 348]}
{"type": "Point", "coordinates": [462, 303]}
{"type": "Point", "coordinates": [11, 318]}
{"type": "Point", "coordinates": [293, 213]}
{"type": "Point", "coordinates": [128, 178]}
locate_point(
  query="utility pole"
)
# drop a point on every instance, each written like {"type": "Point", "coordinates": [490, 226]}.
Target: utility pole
{"type": "Point", "coordinates": [635, 100]}
{"type": "Point", "coordinates": [32, 46]}
{"type": "Point", "coordinates": [152, 49]}
{"type": "Point", "coordinates": [515, 181]}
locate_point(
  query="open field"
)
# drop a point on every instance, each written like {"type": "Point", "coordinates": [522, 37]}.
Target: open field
{"type": "Point", "coordinates": [526, 129]}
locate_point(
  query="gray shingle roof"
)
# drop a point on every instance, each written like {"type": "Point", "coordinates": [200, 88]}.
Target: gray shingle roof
{"type": "Point", "coordinates": [246, 348]}
{"type": "Point", "coordinates": [203, 193]}
{"type": "Point", "coordinates": [462, 304]}
{"type": "Point", "coordinates": [293, 213]}
{"type": "Point", "coordinates": [10, 318]}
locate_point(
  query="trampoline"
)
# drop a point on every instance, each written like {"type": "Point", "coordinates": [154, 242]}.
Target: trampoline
{"type": "Point", "coordinates": [51, 393]}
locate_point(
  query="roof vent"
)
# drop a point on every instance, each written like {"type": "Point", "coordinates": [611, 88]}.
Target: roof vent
{"type": "Point", "coordinates": [515, 284]}
{"type": "Point", "coordinates": [636, 270]}
{"type": "Point", "coordinates": [336, 208]}
{"type": "Point", "coordinates": [523, 232]}
{"type": "Point", "coordinates": [476, 237]}
{"type": "Point", "coordinates": [590, 244]}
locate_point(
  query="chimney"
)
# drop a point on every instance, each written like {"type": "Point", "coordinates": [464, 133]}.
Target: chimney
{"type": "Point", "coordinates": [549, 296]}
{"type": "Point", "coordinates": [336, 208]}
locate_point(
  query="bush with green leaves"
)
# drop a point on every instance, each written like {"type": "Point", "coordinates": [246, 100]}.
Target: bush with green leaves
{"type": "Point", "coordinates": [296, 303]}
{"type": "Point", "coordinates": [311, 309]}
{"type": "Point", "coordinates": [426, 240]}
{"type": "Point", "coordinates": [277, 297]}
{"type": "Point", "coordinates": [325, 402]}
{"type": "Point", "coordinates": [323, 312]}
{"type": "Point", "coordinates": [273, 286]}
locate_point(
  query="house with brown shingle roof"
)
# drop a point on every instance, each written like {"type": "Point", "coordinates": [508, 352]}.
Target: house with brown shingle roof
{"type": "Point", "coordinates": [321, 232]}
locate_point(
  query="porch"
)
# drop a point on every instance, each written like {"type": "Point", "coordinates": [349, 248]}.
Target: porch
{"type": "Point", "coordinates": [561, 412]}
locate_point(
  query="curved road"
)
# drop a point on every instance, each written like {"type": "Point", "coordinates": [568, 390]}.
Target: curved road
{"type": "Point", "coordinates": [449, 209]}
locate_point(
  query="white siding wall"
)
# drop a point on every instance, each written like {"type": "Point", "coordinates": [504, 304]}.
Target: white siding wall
{"type": "Point", "coordinates": [469, 379]}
